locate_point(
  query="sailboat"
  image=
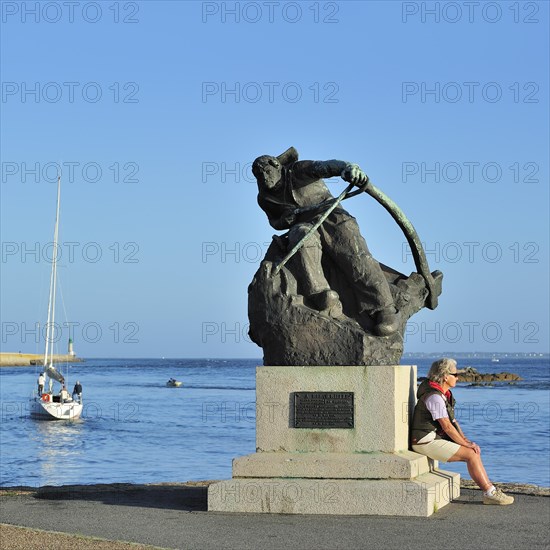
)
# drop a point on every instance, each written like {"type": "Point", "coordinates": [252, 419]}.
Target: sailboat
{"type": "Point", "coordinates": [46, 404]}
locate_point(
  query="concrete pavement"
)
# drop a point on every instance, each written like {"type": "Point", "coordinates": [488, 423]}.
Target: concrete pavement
{"type": "Point", "coordinates": [174, 516]}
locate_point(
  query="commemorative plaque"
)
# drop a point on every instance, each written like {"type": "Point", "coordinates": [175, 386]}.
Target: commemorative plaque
{"type": "Point", "coordinates": [323, 409]}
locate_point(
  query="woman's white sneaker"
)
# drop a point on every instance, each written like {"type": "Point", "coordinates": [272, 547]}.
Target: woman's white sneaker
{"type": "Point", "coordinates": [498, 497]}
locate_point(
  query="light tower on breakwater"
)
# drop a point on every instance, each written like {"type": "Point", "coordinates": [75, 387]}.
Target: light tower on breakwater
{"type": "Point", "coordinates": [70, 349]}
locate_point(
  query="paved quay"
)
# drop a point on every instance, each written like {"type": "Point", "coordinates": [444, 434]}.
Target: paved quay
{"type": "Point", "coordinates": [174, 516]}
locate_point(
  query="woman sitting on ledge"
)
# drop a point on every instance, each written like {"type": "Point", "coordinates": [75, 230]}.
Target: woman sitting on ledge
{"type": "Point", "coordinates": [437, 434]}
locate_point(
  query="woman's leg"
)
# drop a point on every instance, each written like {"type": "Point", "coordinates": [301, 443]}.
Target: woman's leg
{"type": "Point", "coordinates": [475, 466]}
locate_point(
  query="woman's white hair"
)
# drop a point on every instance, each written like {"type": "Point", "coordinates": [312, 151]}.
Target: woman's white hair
{"type": "Point", "coordinates": [440, 369]}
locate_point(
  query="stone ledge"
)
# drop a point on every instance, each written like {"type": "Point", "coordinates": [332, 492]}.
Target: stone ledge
{"type": "Point", "coordinates": [420, 497]}
{"type": "Point", "coordinates": [402, 465]}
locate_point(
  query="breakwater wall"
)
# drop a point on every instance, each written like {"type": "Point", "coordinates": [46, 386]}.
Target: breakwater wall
{"type": "Point", "coordinates": [28, 359]}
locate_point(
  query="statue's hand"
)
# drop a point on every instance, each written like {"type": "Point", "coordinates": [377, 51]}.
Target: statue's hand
{"type": "Point", "coordinates": [353, 174]}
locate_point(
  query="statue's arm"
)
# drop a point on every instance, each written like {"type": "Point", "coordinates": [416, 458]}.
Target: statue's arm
{"type": "Point", "coordinates": [307, 171]}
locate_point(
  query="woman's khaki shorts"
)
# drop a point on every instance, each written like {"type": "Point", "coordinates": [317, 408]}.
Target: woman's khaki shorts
{"type": "Point", "coordinates": [438, 449]}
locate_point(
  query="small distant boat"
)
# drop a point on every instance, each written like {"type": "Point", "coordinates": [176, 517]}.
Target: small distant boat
{"type": "Point", "coordinates": [47, 404]}
{"type": "Point", "coordinates": [495, 360]}
{"type": "Point", "coordinates": [173, 383]}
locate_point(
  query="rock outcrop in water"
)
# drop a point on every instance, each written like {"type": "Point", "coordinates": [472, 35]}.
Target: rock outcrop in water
{"type": "Point", "coordinates": [469, 374]}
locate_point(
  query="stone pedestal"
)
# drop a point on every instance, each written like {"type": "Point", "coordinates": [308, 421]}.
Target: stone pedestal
{"type": "Point", "coordinates": [362, 469]}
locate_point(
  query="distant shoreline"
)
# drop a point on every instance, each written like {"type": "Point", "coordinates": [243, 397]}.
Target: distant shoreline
{"type": "Point", "coordinates": [31, 359]}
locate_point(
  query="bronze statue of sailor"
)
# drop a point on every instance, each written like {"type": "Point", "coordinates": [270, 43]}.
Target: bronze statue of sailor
{"type": "Point", "coordinates": [321, 268]}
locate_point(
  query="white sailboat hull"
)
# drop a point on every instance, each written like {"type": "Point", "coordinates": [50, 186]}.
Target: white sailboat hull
{"type": "Point", "coordinates": [48, 410]}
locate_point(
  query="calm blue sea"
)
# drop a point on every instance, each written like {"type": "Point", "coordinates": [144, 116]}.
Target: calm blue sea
{"type": "Point", "coordinates": [135, 429]}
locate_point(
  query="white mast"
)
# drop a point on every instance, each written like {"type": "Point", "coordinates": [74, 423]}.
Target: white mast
{"type": "Point", "coordinates": [53, 286]}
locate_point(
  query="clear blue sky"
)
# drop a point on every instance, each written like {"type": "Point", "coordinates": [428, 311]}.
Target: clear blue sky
{"type": "Point", "coordinates": [446, 110]}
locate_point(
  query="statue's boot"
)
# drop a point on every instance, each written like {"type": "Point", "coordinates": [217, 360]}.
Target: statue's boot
{"type": "Point", "coordinates": [387, 321]}
{"type": "Point", "coordinates": [324, 299]}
